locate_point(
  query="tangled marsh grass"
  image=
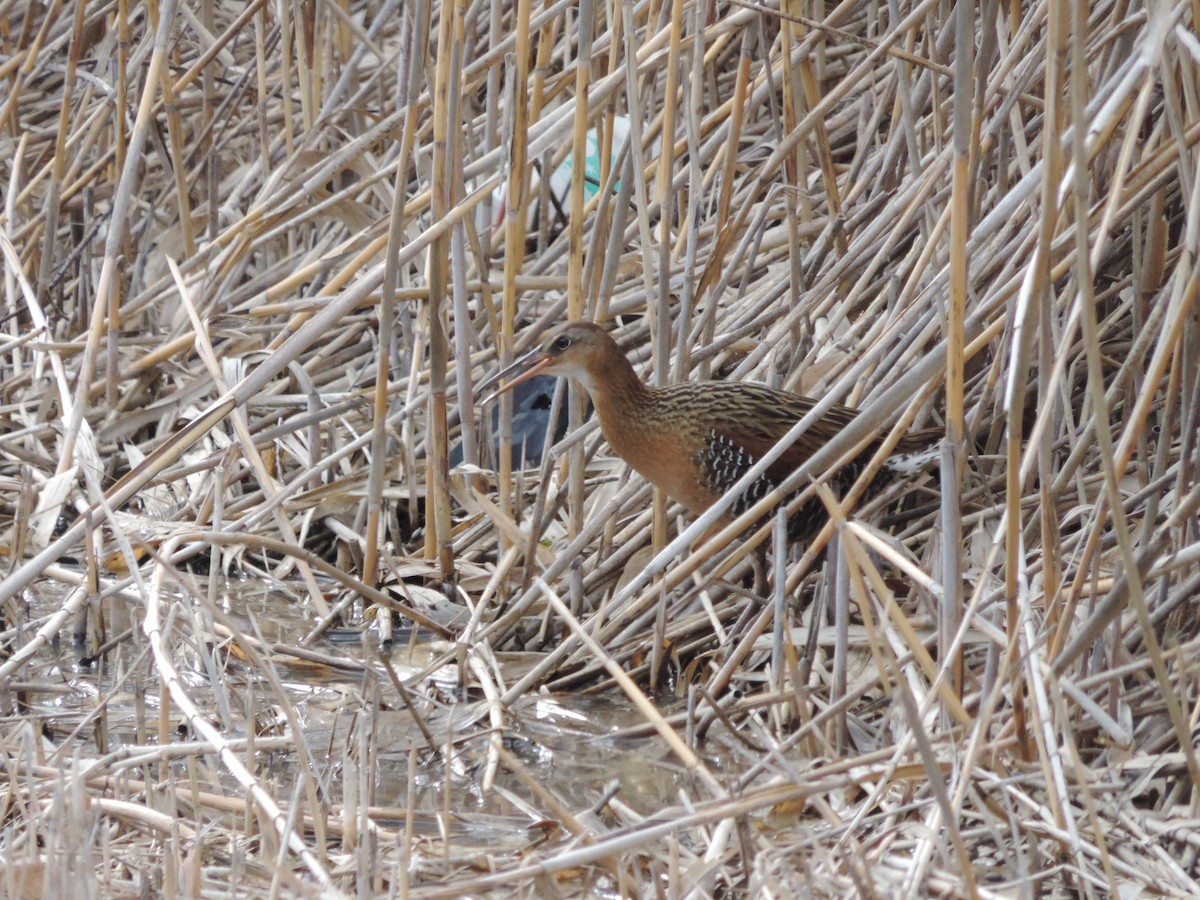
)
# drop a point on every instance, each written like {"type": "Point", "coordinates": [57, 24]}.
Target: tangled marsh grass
{"type": "Point", "coordinates": [259, 636]}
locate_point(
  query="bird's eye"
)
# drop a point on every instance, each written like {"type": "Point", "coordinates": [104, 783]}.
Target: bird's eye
{"type": "Point", "coordinates": [562, 343]}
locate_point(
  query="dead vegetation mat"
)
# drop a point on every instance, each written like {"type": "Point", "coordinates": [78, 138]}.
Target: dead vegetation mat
{"type": "Point", "coordinates": [275, 618]}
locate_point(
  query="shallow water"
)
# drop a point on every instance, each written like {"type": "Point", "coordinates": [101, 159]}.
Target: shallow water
{"type": "Point", "coordinates": [343, 729]}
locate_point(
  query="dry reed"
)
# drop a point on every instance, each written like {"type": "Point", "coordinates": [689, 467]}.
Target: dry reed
{"type": "Point", "coordinates": [255, 258]}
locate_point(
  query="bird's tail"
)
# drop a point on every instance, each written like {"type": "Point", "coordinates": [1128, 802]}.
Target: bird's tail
{"type": "Point", "coordinates": [915, 451]}
{"type": "Point", "coordinates": [918, 449]}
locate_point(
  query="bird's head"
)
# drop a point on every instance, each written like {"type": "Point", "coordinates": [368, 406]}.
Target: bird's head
{"type": "Point", "coordinates": [579, 350]}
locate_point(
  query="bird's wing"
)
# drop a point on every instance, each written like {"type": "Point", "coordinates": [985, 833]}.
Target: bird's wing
{"type": "Point", "coordinates": [756, 417]}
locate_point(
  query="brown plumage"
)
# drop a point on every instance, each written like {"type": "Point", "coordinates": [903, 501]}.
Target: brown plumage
{"type": "Point", "coordinates": [695, 440]}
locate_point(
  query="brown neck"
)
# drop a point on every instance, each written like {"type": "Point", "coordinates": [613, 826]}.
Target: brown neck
{"type": "Point", "coordinates": [617, 392]}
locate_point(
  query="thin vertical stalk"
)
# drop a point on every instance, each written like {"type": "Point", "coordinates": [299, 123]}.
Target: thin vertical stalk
{"type": "Point", "coordinates": [108, 288]}
{"type": "Point", "coordinates": [575, 286]}
{"type": "Point", "coordinates": [960, 228]}
{"type": "Point", "coordinates": [514, 231]}
{"type": "Point", "coordinates": [445, 111]}
{"type": "Point", "coordinates": [1095, 384]}
{"type": "Point", "coordinates": [414, 24]}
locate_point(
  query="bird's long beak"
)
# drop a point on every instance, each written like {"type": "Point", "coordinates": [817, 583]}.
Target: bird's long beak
{"type": "Point", "coordinates": [529, 365]}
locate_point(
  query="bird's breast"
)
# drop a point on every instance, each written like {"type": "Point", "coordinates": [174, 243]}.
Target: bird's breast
{"type": "Point", "coordinates": [666, 457]}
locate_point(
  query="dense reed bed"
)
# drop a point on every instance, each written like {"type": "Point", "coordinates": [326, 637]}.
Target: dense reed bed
{"type": "Point", "coordinates": [259, 635]}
